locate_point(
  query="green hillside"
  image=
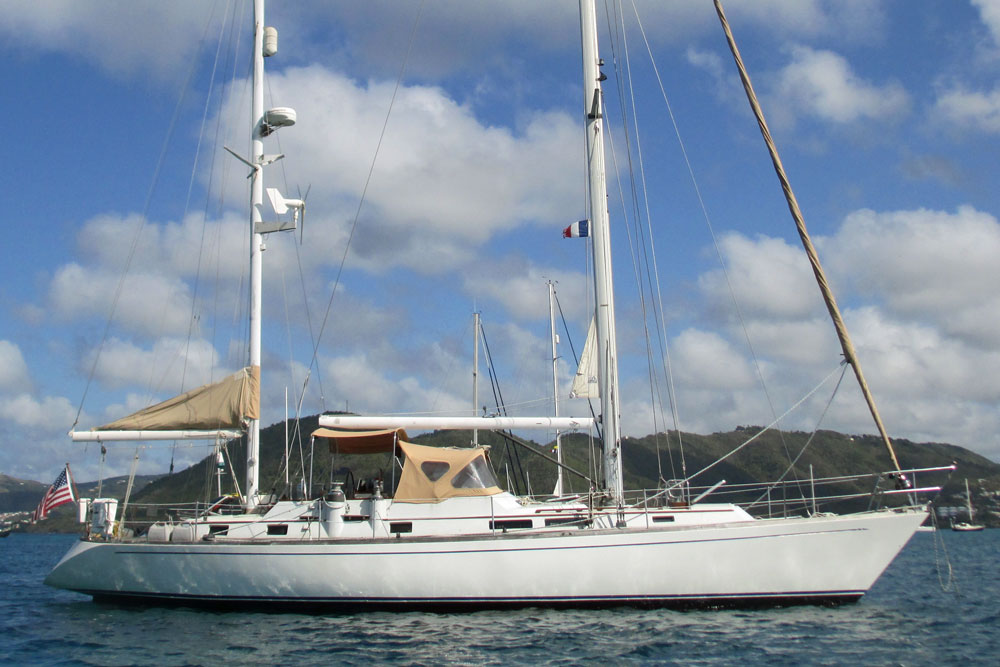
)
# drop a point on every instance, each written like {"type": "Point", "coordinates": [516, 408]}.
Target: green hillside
{"type": "Point", "coordinates": [646, 461]}
{"type": "Point", "coordinates": [18, 495]}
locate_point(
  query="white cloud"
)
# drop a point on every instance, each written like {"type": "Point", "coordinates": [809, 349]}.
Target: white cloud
{"type": "Point", "coordinates": [705, 360]}
{"type": "Point", "coordinates": [444, 181]}
{"type": "Point", "coordinates": [709, 61]}
{"type": "Point", "coordinates": [52, 413]}
{"type": "Point", "coordinates": [435, 377]}
{"type": "Point", "coordinates": [911, 361]}
{"type": "Point", "coordinates": [452, 35]}
{"type": "Point", "coordinates": [853, 19]}
{"type": "Point", "coordinates": [123, 37]}
{"type": "Point", "coordinates": [371, 390]}
{"type": "Point", "coordinates": [822, 84]}
{"type": "Point", "coordinates": [433, 202]}
{"type": "Point", "coordinates": [170, 367]}
{"type": "Point", "coordinates": [926, 333]}
{"type": "Point", "coordinates": [928, 266]}
{"type": "Point", "coordinates": [969, 110]}
{"type": "Point", "coordinates": [798, 342]}
{"type": "Point", "coordinates": [520, 286]}
{"type": "Point", "coordinates": [523, 359]}
{"type": "Point", "coordinates": [989, 12]}
{"type": "Point", "coordinates": [13, 371]}
{"type": "Point", "coordinates": [770, 279]}
{"type": "Point", "coordinates": [149, 304]}
{"type": "Point", "coordinates": [170, 247]}
{"type": "Point", "coordinates": [154, 298]}
{"type": "Point", "coordinates": [848, 20]}
{"type": "Point", "coordinates": [453, 187]}
{"type": "Point", "coordinates": [135, 40]}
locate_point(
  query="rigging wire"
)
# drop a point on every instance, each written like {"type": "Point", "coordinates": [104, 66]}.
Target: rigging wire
{"type": "Point", "coordinates": [204, 223]}
{"type": "Point", "coordinates": [299, 395]}
{"type": "Point", "coordinates": [791, 467]}
{"type": "Point", "coordinates": [793, 208]}
{"type": "Point", "coordinates": [590, 403]}
{"type": "Point", "coordinates": [305, 295]}
{"type": "Point", "coordinates": [133, 247]}
{"type": "Point", "coordinates": [501, 407]}
{"type": "Point", "coordinates": [368, 179]}
{"type": "Point", "coordinates": [576, 361]}
{"type": "Point", "coordinates": [766, 428]}
{"type": "Point", "coordinates": [656, 282]}
{"type": "Point", "coordinates": [193, 318]}
{"type": "Point", "coordinates": [704, 209]}
{"type": "Point", "coordinates": [640, 258]}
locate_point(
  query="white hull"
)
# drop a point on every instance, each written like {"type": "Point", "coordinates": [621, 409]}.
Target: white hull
{"type": "Point", "coordinates": [819, 559]}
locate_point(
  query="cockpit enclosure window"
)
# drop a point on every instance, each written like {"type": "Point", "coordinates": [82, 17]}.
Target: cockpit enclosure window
{"type": "Point", "coordinates": [435, 470]}
{"type": "Point", "coordinates": [476, 475]}
{"type": "Point", "coordinates": [433, 474]}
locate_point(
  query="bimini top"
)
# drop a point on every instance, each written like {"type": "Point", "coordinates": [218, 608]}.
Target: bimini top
{"type": "Point", "coordinates": [361, 442]}
{"type": "Point", "coordinates": [430, 474]}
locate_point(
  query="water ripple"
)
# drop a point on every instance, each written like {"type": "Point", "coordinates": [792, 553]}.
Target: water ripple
{"type": "Point", "coordinates": [906, 619]}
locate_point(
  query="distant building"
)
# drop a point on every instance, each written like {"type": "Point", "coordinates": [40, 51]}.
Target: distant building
{"type": "Point", "coordinates": [949, 512]}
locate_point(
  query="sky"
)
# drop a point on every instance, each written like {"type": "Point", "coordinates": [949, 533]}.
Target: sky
{"type": "Point", "coordinates": [441, 146]}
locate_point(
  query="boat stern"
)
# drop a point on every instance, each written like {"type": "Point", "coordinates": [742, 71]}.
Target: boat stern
{"type": "Point", "coordinates": [79, 568]}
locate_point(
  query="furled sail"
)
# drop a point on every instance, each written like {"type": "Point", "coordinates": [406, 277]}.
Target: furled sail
{"type": "Point", "coordinates": [225, 404]}
{"type": "Point", "coordinates": [585, 382]}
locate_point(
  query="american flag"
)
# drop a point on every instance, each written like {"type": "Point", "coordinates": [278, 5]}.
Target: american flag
{"type": "Point", "coordinates": [60, 493]}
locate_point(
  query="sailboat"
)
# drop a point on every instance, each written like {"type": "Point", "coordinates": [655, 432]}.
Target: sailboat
{"type": "Point", "coordinates": [970, 526]}
{"type": "Point", "coordinates": [444, 534]}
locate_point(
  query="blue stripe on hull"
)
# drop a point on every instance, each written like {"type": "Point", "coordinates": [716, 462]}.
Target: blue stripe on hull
{"type": "Point", "coordinates": [750, 600]}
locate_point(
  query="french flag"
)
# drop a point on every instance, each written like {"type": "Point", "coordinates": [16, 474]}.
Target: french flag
{"type": "Point", "coordinates": [577, 229]}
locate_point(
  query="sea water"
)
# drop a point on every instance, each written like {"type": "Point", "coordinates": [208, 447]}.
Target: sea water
{"type": "Point", "coordinates": [938, 603]}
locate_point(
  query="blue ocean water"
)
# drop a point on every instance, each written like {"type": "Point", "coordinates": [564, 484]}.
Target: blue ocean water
{"type": "Point", "coordinates": [906, 619]}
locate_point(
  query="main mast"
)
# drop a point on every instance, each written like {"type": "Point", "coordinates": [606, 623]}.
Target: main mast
{"type": "Point", "coordinates": [256, 240]}
{"type": "Point", "coordinates": [607, 349]}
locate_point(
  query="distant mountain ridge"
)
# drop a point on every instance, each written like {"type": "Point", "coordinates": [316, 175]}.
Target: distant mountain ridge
{"type": "Point", "coordinates": [23, 495]}
{"type": "Point", "coordinates": [19, 495]}
{"type": "Point", "coordinates": [645, 459]}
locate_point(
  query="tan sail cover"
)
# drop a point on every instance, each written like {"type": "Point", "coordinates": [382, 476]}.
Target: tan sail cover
{"type": "Point", "coordinates": [361, 442]}
{"type": "Point", "coordinates": [432, 474]}
{"type": "Point", "coordinates": [585, 381]}
{"type": "Point", "coordinates": [224, 404]}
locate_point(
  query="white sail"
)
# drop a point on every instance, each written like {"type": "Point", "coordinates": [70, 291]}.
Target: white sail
{"type": "Point", "coordinates": [585, 383]}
